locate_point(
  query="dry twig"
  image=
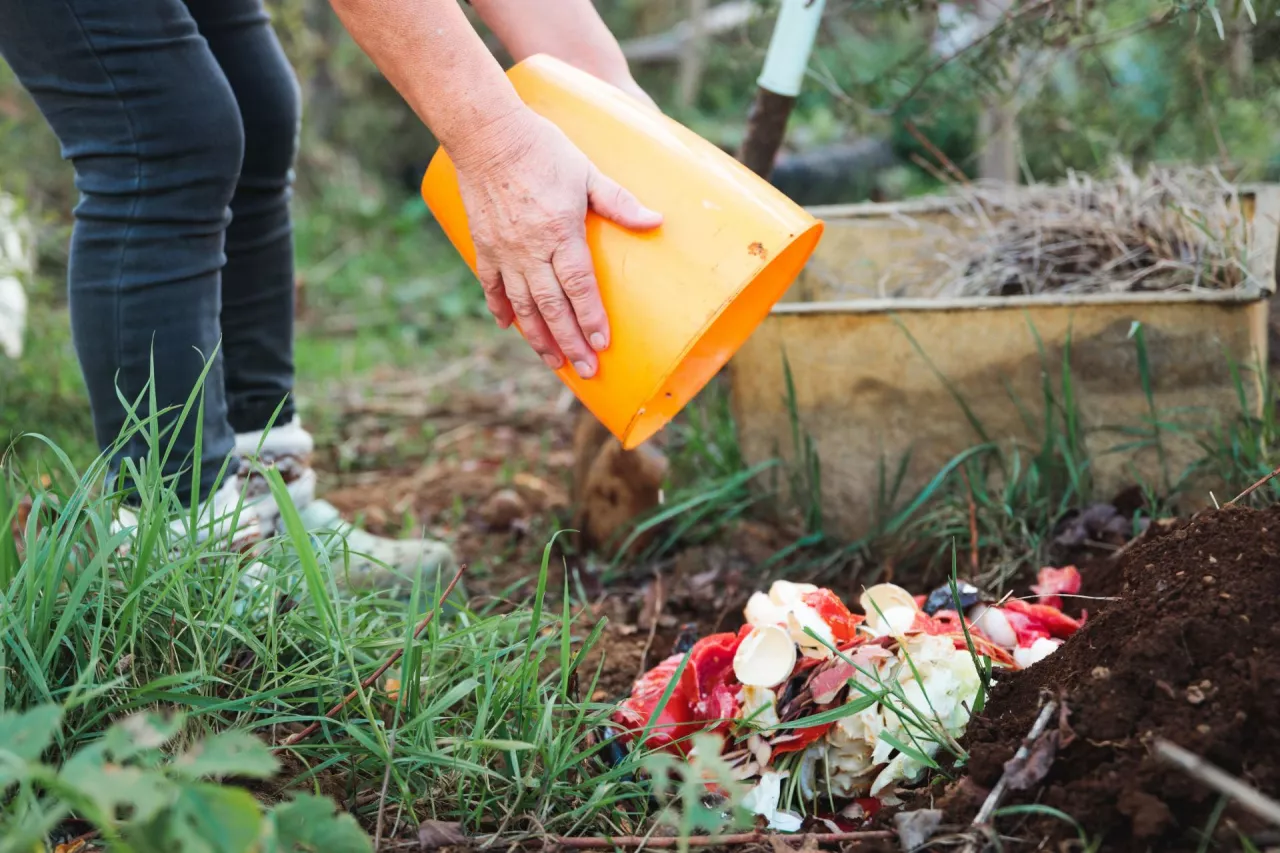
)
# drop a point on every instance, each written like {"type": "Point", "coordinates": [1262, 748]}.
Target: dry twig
{"type": "Point", "coordinates": [660, 601]}
{"type": "Point", "coordinates": [382, 798]}
{"type": "Point", "coordinates": [1196, 767]}
{"type": "Point", "coordinates": [992, 802]}
{"type": "Point", "coordinates": [936, 153]}
{"type": "Point", "coordinates": [666, 842]}
{"type": "Point", "coordinates": [1253, 488]}
{"type": "Point", "coordinates": [422, 626]}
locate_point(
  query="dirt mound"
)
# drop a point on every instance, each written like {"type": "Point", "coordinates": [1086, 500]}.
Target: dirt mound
{"type": "Point", "coordinates": [1190, 652]}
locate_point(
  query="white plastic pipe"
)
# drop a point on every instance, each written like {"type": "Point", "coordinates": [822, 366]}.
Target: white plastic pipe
{"type": "Point", "coordinates": [790, 46]}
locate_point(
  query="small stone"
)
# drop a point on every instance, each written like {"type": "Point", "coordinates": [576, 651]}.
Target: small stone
{"type": "Point", "coordinates": [1209, 580]}
{"type": "Point", "coordinates": [1241, 716]}
{"type": "Point", "coordinates": [1212, 559]}
{"type": "Point", "coordinates": [503, 508]}
{"type": "Point", "coordinates": [1195, 695]}
{"type": "Point", "coordinates": [1203, 729]}
{"type": "Point", "coordinates": [1178, 574]}
{"type": "Point", "coordinates": [1101, 673]}
{"type": "Point", "coordinates": [1151, 567]}
{"type": "Point", "coordinates": [1206, 684]}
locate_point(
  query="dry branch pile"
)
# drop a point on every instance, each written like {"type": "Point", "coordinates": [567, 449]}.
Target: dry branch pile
{"type": "Point", "coordinates": [1180, 229]}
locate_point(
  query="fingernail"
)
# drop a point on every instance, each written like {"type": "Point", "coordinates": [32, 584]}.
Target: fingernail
{"type": "Point", "coordinates": [552, 361]}
{"type": "Point", "coordinates": [598, 342]}
{"type": "Point", "coordinates": [585, 370]}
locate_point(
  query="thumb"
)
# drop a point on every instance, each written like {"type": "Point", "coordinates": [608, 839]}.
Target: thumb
{"type": "Point", "coordinates": [610, 200]}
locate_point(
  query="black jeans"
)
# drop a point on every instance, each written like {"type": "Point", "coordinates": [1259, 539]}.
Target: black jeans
{"type": "Point", "coordinates": [181, 119]}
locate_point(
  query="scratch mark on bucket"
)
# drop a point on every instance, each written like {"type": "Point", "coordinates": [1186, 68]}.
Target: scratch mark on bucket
{"type": "Point", "coordinates": [757, 248]}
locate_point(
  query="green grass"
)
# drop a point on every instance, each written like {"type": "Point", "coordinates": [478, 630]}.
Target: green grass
{"type": "Point", "coordinates": [381, 285]}
{"type": "Point", "coordinates": [495, 737]}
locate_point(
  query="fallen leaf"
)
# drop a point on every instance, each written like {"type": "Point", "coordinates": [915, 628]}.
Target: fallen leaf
{"type": "Point", "coordinates": [917, 827]}
{"type": "Point", "coordinates": [651, 605]}
{"type": "Point", "coordinates": [434, 834]}
{"type": "Point", "coordinates": [1022, 774]}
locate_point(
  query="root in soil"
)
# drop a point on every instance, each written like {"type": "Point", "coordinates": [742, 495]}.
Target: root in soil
{"type": "Point", "coordinates": [1188, 654]}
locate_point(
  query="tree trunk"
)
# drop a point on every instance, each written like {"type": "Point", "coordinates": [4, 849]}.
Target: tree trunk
{"type": "Point", "coordinates": [998, 140]}
{"type": "Point", "coordinates": [1241, 57]}
{"type": "Point", "coordinates": [693, 57]}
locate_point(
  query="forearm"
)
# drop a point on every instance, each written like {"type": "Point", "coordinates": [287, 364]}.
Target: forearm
{"type": "Point", "coordinates": [570, 30]}
{"type": "Point", "coordinates": [428, 50]}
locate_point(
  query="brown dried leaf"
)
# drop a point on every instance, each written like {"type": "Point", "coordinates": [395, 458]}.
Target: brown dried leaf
{"type": "Point", "coordinates": [1023, 774]}
{"type": "Point", "coordinates": [917, 827]}
{"type": "Point", "coordinates": [435, 834]}
{"type": "Point", "coordinates": [651, 605]}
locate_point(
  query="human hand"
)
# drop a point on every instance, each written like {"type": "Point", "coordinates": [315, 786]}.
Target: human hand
{"type": "Point", "coordinates": [526, 189]}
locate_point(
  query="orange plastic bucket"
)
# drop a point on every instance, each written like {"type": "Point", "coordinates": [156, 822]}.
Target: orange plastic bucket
{"type": "Point", "coordinates": [683, 298]}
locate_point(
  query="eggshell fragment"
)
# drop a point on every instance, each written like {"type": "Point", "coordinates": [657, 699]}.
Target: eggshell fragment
{"type": "Point", "coordinates": [992, 622]}
{"type": "Point", "coordinates": [761, 611]}
{"type": "Point", "coordinates": [888, 606]}
{"type": "Point", "coordinates": [1036, 652]}
{"type": "Point", "coordinates": [765, 657]}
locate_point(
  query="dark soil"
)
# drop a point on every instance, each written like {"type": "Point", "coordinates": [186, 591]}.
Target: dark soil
{"type": "Point", "coordinates": [1190, 652]}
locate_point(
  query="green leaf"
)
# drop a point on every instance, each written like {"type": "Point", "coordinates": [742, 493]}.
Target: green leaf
{"type": "Point", "coordinates": [310, 824]}
{"type": "Point", "coordinates": [848, 709]}
{"type": "Point", "coordinates": [210, 818]}
{"type": "Point", "coordinates": [26, 831]}
{"type": "Point", "coordinates": [139, 733]}
{"type": "Point", "coordinates": [229, 753]}
{"type": "Point", "coordinates": [112, 789]}
{"type": "Point", "coordinates": [909, 751]}
{"type": "Point", "coordinates": [24, 737]}
{"type": "Point", "coordinates": [501, 745]}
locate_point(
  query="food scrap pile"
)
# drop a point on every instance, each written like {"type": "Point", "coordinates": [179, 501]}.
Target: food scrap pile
{"type": "Point", "coordinates": [844, 704]}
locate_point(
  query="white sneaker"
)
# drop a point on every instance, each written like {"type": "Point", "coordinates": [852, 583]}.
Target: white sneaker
{"type": "Point", "coordinates": [225, 519]}
{"type": "Point", "coordinates": [244, 511]}
{"type": "Point", "coordinates": [362, 561]}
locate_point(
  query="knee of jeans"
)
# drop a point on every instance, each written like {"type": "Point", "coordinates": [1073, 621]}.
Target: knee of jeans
{"type": "Point", "coordinates": [271, 117]}
{"type": "Point", "coordinates": [179, 161]}
{"type": "Point", "coordinates": [218, 142]}
{"type": "Point", "coordinates": [191, 163]}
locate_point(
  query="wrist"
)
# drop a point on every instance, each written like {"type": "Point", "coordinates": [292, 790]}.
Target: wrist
{"type": "Point", "coordinates": [478, 148]}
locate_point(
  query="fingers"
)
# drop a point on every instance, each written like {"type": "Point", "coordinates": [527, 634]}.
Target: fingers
{"type": "Point", "coordinates": [610, 200]}
{"type": "Point", "coordinates": [575, 270]}
{"type": "Point", "coordinates": [559, 315]}
{"type": "Point", "coordinates": [495, 295]}
{"type": "Point", "coordinates": [532, 325]}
